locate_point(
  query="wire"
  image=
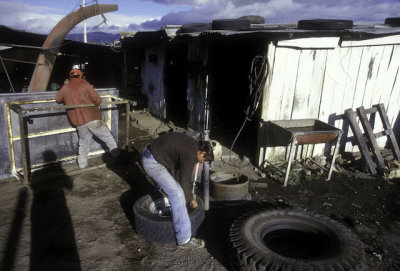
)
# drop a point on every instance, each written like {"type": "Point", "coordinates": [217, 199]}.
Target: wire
{"type": "Point", "coordinates": [258, 75]}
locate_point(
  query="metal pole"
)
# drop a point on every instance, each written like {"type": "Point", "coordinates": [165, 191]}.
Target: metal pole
{"type": "Point", "coordinates": [334, 156]}
{"type": "Point", "coordinates": [23, 146]}
{"type": "Point", "coordinates": [84, 25]}
{"type": "Point", "coordinates": [206, 175]}
{"type": "Point", "coordinates": [127, 110]}
{"type": "Point", "coordinates": [291, 155]}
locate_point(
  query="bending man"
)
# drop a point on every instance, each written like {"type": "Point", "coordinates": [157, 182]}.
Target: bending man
{"type": "Point", "coordinates": [169, 152]}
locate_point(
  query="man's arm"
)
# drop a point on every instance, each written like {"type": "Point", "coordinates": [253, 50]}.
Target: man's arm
{"type": "Point", "coordinates": [60, 96]}
{"type": "Point", "coordinates": [94, 96]}
{"type": "Point", "coordinates": [185, 173]}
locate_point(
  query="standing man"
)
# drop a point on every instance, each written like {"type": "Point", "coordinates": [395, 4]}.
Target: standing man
{"type": "Point", "coordinates": [87, 120]}
{"type": "Point", "coordinates": [169, 152]}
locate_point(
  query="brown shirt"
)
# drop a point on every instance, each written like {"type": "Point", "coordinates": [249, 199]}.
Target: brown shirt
{"type": "Point", "coordinates": [177, 151]}
{"type": "Point", "coordinates": [79, 91]}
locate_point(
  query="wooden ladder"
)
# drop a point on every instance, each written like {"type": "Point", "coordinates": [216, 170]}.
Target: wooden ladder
{"type": "Point", "coordinates": [367, 142]}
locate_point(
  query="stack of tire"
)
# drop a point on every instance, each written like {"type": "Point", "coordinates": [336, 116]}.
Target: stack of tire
{"type": "Point", "coordinates": [241, 23]}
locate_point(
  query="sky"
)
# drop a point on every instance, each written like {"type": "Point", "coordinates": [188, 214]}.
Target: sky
{"type": "Point", "coordinates": [145, 15]}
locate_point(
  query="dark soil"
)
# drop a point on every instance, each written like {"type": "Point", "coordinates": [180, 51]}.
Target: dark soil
{"type": "Point", "coordinates": [82, 219]}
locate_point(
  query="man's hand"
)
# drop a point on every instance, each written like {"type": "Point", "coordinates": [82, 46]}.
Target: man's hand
{"type": "Point", "coordinates": [193, 203]}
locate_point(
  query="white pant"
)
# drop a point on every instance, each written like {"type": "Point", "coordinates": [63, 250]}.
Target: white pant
{"type": "Point", "coordinates": [86, 132]}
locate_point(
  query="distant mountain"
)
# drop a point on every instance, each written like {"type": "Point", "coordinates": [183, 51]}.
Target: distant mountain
{"type": "Point", "coordinates": [94, 37]}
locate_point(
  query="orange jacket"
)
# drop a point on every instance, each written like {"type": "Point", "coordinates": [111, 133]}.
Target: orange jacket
{"type": "Point", "coordinates": [79, 91]}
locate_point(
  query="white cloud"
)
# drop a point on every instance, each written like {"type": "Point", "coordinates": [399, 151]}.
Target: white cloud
{"type": "Point", "coordinates": [282, 11]}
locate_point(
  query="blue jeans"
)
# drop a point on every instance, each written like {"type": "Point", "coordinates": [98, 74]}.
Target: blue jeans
{"type": "Point", "coordinates": [176, 197]}
{"type": "Point", "coordinates": [86, 132]}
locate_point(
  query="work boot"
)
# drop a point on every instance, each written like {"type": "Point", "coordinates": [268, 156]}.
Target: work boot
{"type": "Point", "coordinates": [193, 243]}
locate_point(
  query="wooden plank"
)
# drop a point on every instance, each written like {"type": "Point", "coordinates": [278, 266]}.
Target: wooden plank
{"type": "Point", "coordinates": [350, 90]}
{"type": "Point", "coordinates": [388, 129]}
{"type": "Point", "coordinates": [362, 76]}
{"type": "Point", "coordinates": [309, 84]}
{"type": "Point", "coordinates": [372, 74]}
{"type": "Point", "coordinates": [311, 43]}
{"type": "Point", "coordinates": [303, 85]}
{"type": "Point", "coordinates": [270, 97]}
{"type": "Point", "coordinates": [392, 88]}
{"type": "Point", "coordinates": [290, 59]}
{"type": "Point", "coordinates": [364, 73]}
{"type": "Point", "coordinates": [282, 87]}
{"type": "Point", "coordinates": [394, 105]}
{"type": "Point", "coordinates": [387, 74]}
{"type": "Point", "coordinates": [347, 66]}
{"type": "Point", "coordinates": [362, 145]}
{"type": "Point", "coordinates": [333, 91]}
{"type": "Point", "coordinates": [318, 73]}
{"type": "Point", "coordinates": [376, 153]}
{"type": "Point", "coordinates": [267, 101]}
{"type": "Point", "coordinates": [381, 88]}
{"type": "Point", "coordinates": [395, 39]}
{"type": "Point", "coordinates": [302, 91]}
{"type": "Point", "coordinates": [308, 89]}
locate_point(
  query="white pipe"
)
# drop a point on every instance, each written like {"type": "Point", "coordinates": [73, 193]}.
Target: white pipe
{"type": "Point", "coordinates": [84, 25]}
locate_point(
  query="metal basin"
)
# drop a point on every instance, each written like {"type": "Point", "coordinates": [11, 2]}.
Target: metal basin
{"type": "Point", "coordinates": [306, 131]}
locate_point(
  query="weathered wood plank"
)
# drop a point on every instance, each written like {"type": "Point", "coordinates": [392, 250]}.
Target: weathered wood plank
{"type": "Point", "coordinates": [311, 43]}
{"type": "Point", "coordinates": [373, 69]}
{"type": "Point", "coordinates": [352, 117]}
{"type": "Point", "coordinates": [308, 88]}
{"type": "Point", "coordinates": [383, 84]}
{"type": "Point", "coordinates": [376, 153]}
{"type": "Point", "coordinates": [282, 88]}
{"type": "Point", "coordinates": [333, 89]}
{"type": "Point", "coordinates": [392, 86]}
{"type": "Point", "coordinates": [388, 129]}
{"type": "Point", "coordinates": [350, 87]}
{"type": "Point", "coordinates": [265, 103]}
{"type": "Point", "coordinates": [395, 39]}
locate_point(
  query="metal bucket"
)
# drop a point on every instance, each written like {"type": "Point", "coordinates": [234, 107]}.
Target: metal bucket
{"type": "Point", "coordinates": [229, 186]}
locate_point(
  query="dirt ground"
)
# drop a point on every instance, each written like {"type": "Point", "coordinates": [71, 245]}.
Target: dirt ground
{"type": "Point", "coordinates": [82, 219]}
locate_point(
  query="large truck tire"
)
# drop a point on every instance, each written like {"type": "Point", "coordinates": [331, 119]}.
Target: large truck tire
{"type": "Point", "coordinates": [325, 24]}
{"type": "Point", "coordinates": [293, 240]}
{"type": "Point", "coordinates": [230, 24]}
{"type": "Point", "coordinates": [194, 28]}
{"type": "Point", "coordinates": [152, 218]}
{"type": "Point", "coordinates": [253, 19]}
{"type": "Point", "coordinates": [393, 21]}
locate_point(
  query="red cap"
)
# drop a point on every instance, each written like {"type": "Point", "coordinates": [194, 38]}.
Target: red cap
{"type": "Point", "coordinates": [75, 72]}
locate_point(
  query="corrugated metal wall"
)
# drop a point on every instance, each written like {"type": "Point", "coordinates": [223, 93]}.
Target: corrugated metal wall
{"type": "Point", "coordinates": [322, 77]}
